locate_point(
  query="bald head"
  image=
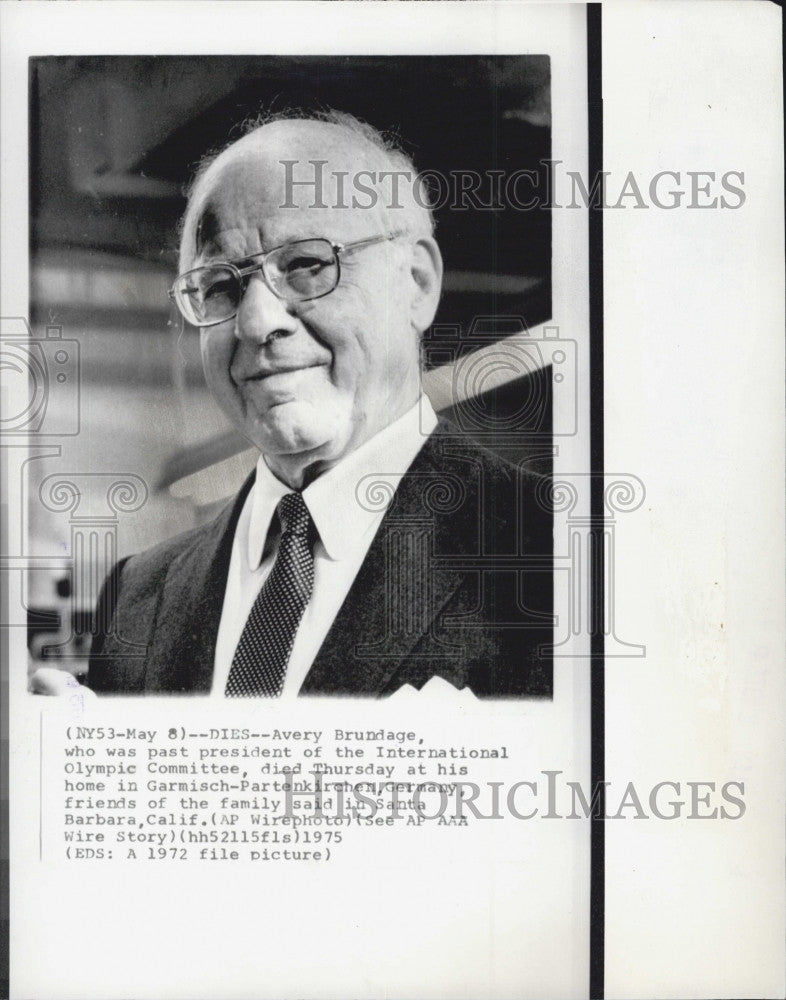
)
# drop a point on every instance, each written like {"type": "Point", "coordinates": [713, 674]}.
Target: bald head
{"type": "Point", "coordinates": [334, 165]}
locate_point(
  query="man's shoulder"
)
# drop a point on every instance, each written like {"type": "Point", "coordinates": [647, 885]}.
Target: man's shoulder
{"type": "Point", "coordinates": [472, 495]}
{"type": "Point", "coordinates": [158, 558]}
{"type": "Point", "coordinates": [452, 451]}
{"type": "Point", "coordinates": [151, 565]}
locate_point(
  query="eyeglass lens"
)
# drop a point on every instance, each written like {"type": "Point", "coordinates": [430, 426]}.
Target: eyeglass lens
{"type": "Point", "coordinates": [295, 272]}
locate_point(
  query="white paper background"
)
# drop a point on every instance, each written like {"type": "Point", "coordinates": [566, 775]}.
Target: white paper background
{"type": "Point", "coordinates": [694, 405]}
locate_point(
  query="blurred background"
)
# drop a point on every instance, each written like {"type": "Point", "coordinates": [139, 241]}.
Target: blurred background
{"type": "Point", "coordinates": [113, 142]}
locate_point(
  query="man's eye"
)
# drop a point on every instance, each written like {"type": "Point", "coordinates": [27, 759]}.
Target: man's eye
{"type": "Point", "coordinates": [298, 265]}
{"type": "Point", "coordinates": [217, 288]}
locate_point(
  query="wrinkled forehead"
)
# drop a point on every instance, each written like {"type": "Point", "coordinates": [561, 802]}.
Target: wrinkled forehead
{"type": "Point", "coordinates": [289, 180]}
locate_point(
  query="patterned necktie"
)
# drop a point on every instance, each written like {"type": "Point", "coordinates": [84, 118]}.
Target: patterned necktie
{"type": "Point", "coordinates": [261, 657]}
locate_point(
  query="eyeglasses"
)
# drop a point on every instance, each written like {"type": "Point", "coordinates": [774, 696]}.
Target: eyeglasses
{"type": "Point", "coordinates": [295, 272]}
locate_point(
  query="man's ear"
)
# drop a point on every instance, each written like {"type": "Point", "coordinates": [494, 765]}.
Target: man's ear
{"type": "Point", "coordinates": [426, 271]}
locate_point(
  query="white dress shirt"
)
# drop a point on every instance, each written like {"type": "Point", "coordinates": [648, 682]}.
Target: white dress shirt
{"type": "Point", "coordinates": [345, 528]}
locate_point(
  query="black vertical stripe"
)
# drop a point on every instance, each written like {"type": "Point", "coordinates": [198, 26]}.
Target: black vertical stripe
{"type": "Point", "coordinates": [597, 687]}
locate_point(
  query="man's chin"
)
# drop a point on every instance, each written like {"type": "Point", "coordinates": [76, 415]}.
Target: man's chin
{"type": "Point", "coordinates": [293, 429]}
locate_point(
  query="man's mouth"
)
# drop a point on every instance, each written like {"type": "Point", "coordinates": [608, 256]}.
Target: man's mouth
{"type": "Point", "coordinates": [260, 376]}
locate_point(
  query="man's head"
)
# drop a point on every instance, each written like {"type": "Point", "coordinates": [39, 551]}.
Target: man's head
{"type": "Point", "coordinates": [308, 382]}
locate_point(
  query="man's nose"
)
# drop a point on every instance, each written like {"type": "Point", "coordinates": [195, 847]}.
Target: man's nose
{"type": "Point", "coordinates": [262, 315]}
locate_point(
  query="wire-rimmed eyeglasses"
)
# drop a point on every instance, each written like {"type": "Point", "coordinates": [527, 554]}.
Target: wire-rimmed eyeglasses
{"type": "Point", "coordinates": [295, 272]}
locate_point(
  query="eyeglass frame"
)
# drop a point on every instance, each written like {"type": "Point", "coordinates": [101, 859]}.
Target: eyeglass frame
{"type": "Point", "coordinates": [241, 273]}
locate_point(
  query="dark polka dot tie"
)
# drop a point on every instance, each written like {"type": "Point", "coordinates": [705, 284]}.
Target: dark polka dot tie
{"type": "Point", "coordinates": [261, 657]}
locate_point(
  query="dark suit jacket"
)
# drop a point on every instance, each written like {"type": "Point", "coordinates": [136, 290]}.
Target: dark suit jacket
{"type": "Point", "coordinates": [457, 583]}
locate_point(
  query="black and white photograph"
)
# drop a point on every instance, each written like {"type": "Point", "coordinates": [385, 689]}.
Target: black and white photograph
{"type": "Point", "coordinates": [412, 424]}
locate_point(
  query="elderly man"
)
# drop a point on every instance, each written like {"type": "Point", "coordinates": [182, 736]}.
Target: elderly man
{"type": "Point", "coordinates": [374, 547]}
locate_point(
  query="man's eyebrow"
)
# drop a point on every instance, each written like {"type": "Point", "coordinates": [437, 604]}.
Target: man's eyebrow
{"type": "Point", "coordinates": [252, 258]}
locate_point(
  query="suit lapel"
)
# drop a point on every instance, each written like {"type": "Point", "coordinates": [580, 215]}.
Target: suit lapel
{"type": "Point", "coordinates": [190, 609]}
{"type": "Point", "coordinates": [396, 595]}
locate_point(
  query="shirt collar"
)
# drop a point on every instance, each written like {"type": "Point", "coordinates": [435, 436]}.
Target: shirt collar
{"type": "Point", "coordinates": [265, 496]}
{"type": "Point", "coordinates": [343, 502]}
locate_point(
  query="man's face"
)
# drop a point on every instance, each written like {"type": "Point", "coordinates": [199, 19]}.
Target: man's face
{"type": "Point", "coordinates": [307, 382]}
